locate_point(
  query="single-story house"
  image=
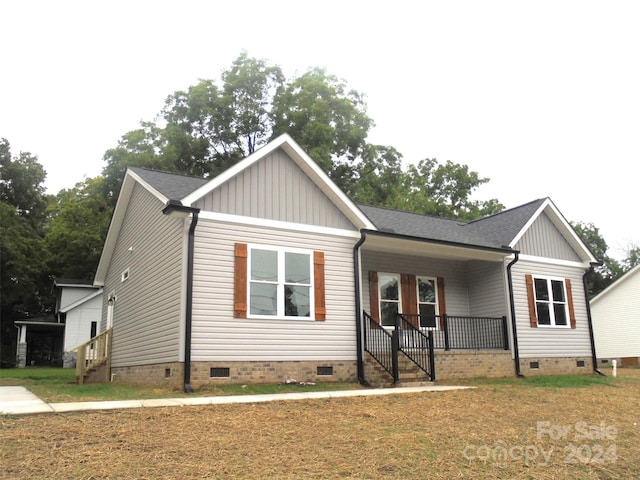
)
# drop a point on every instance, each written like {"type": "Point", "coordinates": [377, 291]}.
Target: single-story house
{"type": "Point", "coordinates": [269, 272]}
{"type": "Point", "coordinates": [51, 340]}
{"type": "Point", "coordinates": [616, 319]}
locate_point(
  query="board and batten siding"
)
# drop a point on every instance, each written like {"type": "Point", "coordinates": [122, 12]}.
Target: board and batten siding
{"type": "Point", "coordinates": [147, 314]}
{"type": "Point", "coordinates": [543, 239]}
{"type": "Point", "coordinates": [616, 318]}
{"type": "Point", "coordinates": [550, 341]}
{"type": "Point", "coordinates": [218, 336]}
{"type": "Point", "coordinates": [275, 188]}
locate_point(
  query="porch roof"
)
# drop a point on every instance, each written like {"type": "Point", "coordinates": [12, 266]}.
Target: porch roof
{"type": "Point", "coordinates": [495, 232]}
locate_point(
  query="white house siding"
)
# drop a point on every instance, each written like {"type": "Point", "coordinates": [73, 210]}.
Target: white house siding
{"type": "Point", "coordinates": [543, 239]}
{"type": "Point", "coordinates": [550, 341]}
{"type": "Point", "coordinates": [147, 312]}
{"type": "Point", "coordinates": [275, 188]}
{"type": "Point", "coordinates": [78, 320]}
{"type": "Point", "coordinates": [616, 318]}
{"type": "Point", "coordinates": [218, 336]}
{"type": "Point", "coordinates": [70, 295]}
{"type": "Point", "coordinates": [488, 296]}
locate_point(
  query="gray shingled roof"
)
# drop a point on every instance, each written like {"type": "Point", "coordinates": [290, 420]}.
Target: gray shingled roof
{"type": "Point", "coordinates": [495, 231]}
{"type": "Point", "coordinates": [171, 185]}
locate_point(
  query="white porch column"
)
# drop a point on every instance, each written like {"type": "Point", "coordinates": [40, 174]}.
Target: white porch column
{"type": "Point", "coordinates": [21, 351]}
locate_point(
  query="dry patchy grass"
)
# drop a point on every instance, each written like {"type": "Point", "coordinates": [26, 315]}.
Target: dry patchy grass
{"type": "Point", "coordinates": [489, 432]}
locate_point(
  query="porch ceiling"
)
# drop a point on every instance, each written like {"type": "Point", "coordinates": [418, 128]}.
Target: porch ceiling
{"type": "Point", "coordinates": [432, 249]}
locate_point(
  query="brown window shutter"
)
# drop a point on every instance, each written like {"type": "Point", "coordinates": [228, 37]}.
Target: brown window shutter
{"type": "Point", "coordinates": [318, 280]}
{"type": "Point", "coordinates": [240, 281]}
{"type": "Point", "coordinates": [373, 296]}
{"type": "Point", "coordinates": [409, 297]}
{"type": "Point", "coordinates": [442, 306]}
{"type": "Point", "coordinates": [572, 313]}
{"type": "Point", "coordinates": [533, 317]}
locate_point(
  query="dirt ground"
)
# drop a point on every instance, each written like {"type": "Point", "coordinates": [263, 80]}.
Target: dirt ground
{"type": "Point", "coordinates": [496, 431]}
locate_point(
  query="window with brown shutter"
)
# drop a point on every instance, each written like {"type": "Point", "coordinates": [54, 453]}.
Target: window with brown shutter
{"type": "Point", "coordinates": [279, 282]}
{"type": "Point", "coordinates": [550, 302]}
{"type": "Point", "coordinates": [318, 280]}
{"type": "Point", "coordinates": [240, 281]}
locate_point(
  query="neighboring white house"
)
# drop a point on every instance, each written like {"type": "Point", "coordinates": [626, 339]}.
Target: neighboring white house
{"type": "Point", "coordinates": [50, 340]}
{"type": "Point", "coordinates": [616, 318]}
{"type": "Point", "coordinates": [79, 307]}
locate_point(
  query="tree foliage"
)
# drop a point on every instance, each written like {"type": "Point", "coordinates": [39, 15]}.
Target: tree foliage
{"type": "Point", "coordinates": [24, 282]}
{"type": "Point", "coordinates": [78, 223]}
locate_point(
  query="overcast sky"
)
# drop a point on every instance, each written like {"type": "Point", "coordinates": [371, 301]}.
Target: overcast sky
{"type": "Point", "coordinates": [543, 97]}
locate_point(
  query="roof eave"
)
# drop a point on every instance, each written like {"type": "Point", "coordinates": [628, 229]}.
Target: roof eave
{"type": "Point", "coordinates": [130, 180]}
{"type": "Point", "coordinates": [503, 251]}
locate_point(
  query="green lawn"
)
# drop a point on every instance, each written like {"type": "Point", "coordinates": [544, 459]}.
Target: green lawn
{"type": "Point", "coordinates": [59, 385]}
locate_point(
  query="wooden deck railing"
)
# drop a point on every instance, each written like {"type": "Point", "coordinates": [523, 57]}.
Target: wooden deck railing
{"type": "Point", "coordinates": [92, 354]}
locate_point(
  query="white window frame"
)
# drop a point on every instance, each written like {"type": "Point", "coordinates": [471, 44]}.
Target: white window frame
{"type": "Point", "coordinates": [380, 299]}
{"type": "Point", "coordinates": [280, 284]}
{"type": "Point", "coordinates": [551, 302]}
{"type": "Point", "coordinates": [437, 306]}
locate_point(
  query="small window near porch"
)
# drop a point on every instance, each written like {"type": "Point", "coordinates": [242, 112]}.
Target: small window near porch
{"type": "Point", "coordinates": [427, 302]}
{"type": "Point", "coordinates": [389, 284]}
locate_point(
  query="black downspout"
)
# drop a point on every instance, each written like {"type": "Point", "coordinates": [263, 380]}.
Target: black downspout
{"type": "Point", "coordinates": [594, 358]}
{"type": "Point", "coordinates": [189, 306]}
{"type": "Point", "coordinates": [514, 329]}
{"type": "Point", "coordinates": [356, 276]}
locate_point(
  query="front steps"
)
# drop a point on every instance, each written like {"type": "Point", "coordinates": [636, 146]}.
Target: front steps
{"type": "Point", "coordinates": [410, 374]}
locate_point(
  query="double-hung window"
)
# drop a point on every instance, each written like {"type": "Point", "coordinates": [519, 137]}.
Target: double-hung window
{"type": "Point", "coordinates": [427, 301]}
{"type": "Point", "coordinates": [280, 282]}
{"type": "Point", "coordinates": [389, 298]}
{"type": "Point", "coordinates": [551, 302]}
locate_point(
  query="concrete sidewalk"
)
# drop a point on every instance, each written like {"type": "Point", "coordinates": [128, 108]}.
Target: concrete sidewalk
{"type": "Point", "coordinates": [20, 401]}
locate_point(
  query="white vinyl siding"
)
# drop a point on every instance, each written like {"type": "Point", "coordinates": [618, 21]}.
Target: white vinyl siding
{"type": "Point", "coordinates": [275, 188]}
{"type": "Point", "coordinates": [550, 342]}
{"type": "Point", "coordinates": [616, 318]}
{"type": "Point", "coordinates": [147, 312]}
{"type": "Point", "coordinates": [218, 336]}
{"type": "Point", "coordinates": [488, 294]}
{"type": "Point", "coordinates": [78, 320]}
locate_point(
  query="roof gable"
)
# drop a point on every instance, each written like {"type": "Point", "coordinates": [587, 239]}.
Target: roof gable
{"type": "Point", "coordinates": [275, 188]}
{"type": "Point", "coordinates": [304, 162]}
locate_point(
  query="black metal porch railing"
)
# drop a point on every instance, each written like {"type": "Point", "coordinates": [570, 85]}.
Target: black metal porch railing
{"type": "Point", "coordinates": [383, 345]}
{"type": "Point", "coordinates": [465, 333]}
{"type": "Point", "coordinates": [380, 344]}
{"type": "Point", "coordinates": [417, 345]}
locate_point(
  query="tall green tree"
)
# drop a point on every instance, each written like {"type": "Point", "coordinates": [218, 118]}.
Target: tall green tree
{"type": "Point", "coordinates": [78, 222]}
{"type": "Point", "coordinates": [327, 119]}
{"type": "Point", "coordinates": [24, 283]}
{"type": "Point", "coordinates": [208, 127]}
{"type": "Point", "coordinates": [609, 269]}
{"type": "Point", "coordinates": [445, 190]}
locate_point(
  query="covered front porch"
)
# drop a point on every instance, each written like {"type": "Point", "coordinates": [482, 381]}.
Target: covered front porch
{"type": "Point", "coordinates": [426, 305]}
